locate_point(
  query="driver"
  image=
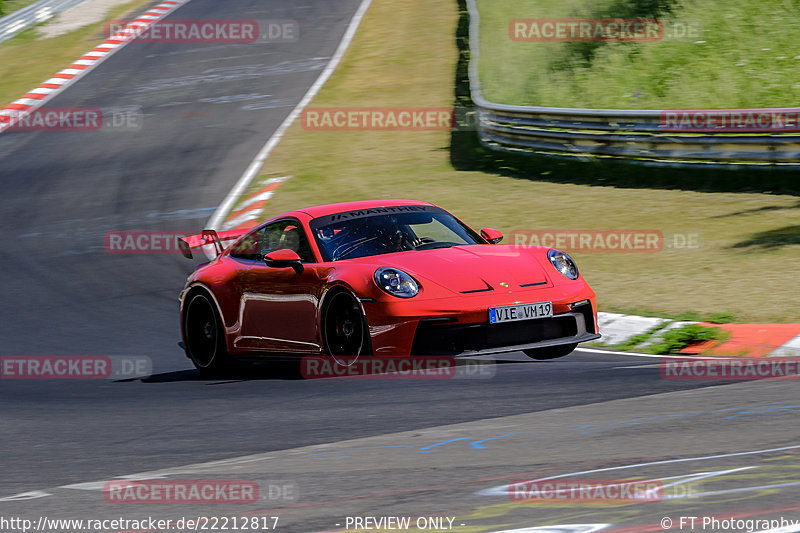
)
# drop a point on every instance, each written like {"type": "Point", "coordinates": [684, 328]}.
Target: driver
{"type": "Point", "coordinates": [291, 240]}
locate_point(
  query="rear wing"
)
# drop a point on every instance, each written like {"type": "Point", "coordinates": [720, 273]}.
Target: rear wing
{"type": "Point", "coordinates": [208, 237]}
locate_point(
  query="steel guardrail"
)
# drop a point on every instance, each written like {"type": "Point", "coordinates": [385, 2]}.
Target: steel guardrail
{"type": "Point", "coordinates": [28, 16]}
{"type": "Point", "coordinates": [625, 134]}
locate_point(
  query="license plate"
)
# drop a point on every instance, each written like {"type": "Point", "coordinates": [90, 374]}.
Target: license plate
{"type": "Point", "coordinates": [512, 313]}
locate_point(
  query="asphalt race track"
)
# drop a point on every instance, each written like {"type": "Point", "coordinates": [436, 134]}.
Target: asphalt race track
{"type": "Point", "coordinates": [372, 447]}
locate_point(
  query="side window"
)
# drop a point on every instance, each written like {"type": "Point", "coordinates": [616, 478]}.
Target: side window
{"type": "Point", "coordinates": [281, 234]}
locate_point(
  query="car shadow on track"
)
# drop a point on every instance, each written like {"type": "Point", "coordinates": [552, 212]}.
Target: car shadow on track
{"type": "Point", "coordinates": [272, 370]}
{"type": "Point", "coordinates": [288, 370]}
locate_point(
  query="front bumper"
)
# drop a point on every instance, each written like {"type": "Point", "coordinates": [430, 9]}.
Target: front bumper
{"type": "Point", "coordinates": [460, 326]}
{"type": "Point", "coordinates": [437, 338]}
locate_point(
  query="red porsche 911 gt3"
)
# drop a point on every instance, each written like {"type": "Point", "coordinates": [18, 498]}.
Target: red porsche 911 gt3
{"type": "Point", "coordinates": [383, 277]}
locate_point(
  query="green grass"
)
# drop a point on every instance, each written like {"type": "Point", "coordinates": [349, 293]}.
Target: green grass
{"type": "Point", "coordinates": [26, 61]}
{"type": "Point", "coordinates": [630, 344]}
{"type": "Point", "coordinates": [748, 56]}
{"type": "Point", "coordinates": [668, 342]}
{"type": "Point", "coordinates": [390, 63]}
{"type": "Point", "coordinates": [9, 6]}
{"type": "Point", "coordinates": [674, 340]}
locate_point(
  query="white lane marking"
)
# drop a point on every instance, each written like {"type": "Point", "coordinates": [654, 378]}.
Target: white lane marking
{"type": "Point", "coordinates": [235, 462]}
{"type": "Point", "coordinates": [676, 481]}
{"type": "Point", "coordinates": [100, 485]}
{"type": "Point", "coordinates": [744, 489]}
{"type": "Point", "coordinates": [258, 162]}
{"type": "Point", "coordinates": [638, 354]}
{"type": "Point", "coordinates": [32, 495]}
{"type": "Point", "coordinates": [636, 367]}
{"type": "Point", "coordinates": [502, 490]}
{"type": "Point", "coordinates": [691, 478]}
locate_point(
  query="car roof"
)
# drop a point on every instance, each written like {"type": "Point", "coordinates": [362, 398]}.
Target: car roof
{"type": "Point", "coordinates": [330, 209]}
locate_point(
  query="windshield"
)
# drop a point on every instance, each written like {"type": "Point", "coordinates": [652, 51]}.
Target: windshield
{"type": "Point", "coordinates": [391, 229]}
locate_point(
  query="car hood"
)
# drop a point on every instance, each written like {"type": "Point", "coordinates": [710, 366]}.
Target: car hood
{"type": "Point", "coordinates": [475, 268]}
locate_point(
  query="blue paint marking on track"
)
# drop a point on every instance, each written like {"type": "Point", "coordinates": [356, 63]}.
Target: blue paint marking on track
{"type": "Point", "coordinates": [475, 445]}
{"type": "Point", "coordinates": [427, 449]}
{"type": "Point", "coordinates": [478, 444]}
{"type": "Point", "coordinates": [776, 409]}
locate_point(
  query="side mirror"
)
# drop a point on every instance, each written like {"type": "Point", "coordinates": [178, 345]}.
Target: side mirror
{"type": "Point", "coordinates": [284, 258]}
{"type": "Point", "coordinates": [492, 235]}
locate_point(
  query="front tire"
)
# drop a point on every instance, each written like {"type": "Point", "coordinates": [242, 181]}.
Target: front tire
{"type": "Point", "coordinates": [205, 336]}
{"type": "Point", "coordinates": [344, 328]}
{"type": "Point", "coordinates": [552, 352]}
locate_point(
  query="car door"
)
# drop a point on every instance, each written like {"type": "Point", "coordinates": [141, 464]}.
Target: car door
{"type": "Point", "coordinates": [278, 306]}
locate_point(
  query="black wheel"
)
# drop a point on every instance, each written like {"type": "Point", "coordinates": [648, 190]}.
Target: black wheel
{"type": "Point", "coordinates": [205, 340]}
{"type": "Point", "coordinates": [344, 328]}
{"type": "Point", "coordinates": [553, 352]}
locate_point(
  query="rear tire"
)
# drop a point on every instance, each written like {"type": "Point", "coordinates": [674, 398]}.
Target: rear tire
{"type": "Point", "coordinates": [552, 352]}
{"type": "Point", "coordinates": [344, 327]}
{"type": "Point", "coordinates": [205, 336]}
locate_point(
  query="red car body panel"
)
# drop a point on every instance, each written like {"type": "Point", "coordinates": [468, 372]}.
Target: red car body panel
{"type": "Point", "coordinates": [267, 310]}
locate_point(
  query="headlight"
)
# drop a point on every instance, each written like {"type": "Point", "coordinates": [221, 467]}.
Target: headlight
{"type": "Point", "coordinates": [396, 282]}
{"type": "Point", "coordinates": [563, 263]}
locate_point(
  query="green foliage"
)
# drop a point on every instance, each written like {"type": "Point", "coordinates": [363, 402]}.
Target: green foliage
{"type": "Point", "coordinates": [9, 6]}
{"type": "Point", "coordinates": [745, 57]}
{"type": "Point", "coordinates": [723, 317]}
{"type": "Point", "coordinates": [675, 340]}
{"type": "Point", "coordinates": [632, 342]}
{"type": "Point", "coordinates": [689, 316]}
{"type": "Point", "coordinates": [582, 53]}
{"type": "Point", "coordinates": [514, 73]}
